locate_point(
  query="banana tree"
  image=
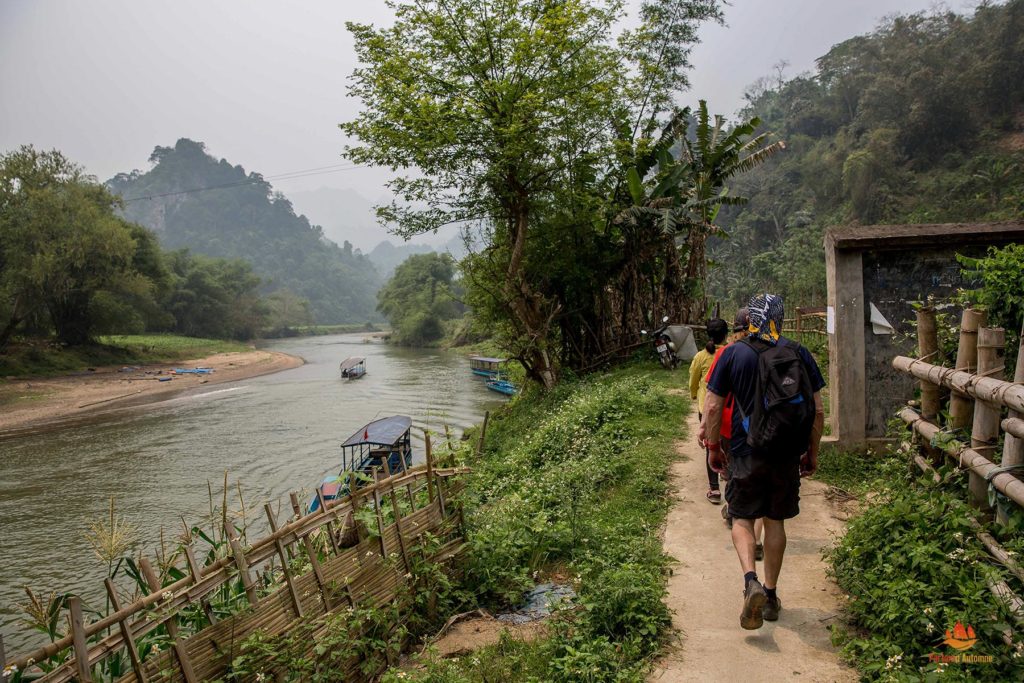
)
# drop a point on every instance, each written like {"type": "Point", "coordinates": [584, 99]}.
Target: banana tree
{"type": "Point", "coordinates": [680, 186]}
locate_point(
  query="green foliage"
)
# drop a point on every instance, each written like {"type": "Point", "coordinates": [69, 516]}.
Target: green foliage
{"type": "Point", "coordinates": [1000, 277]}
{"type": "Point", "coordinates": [573, 482]}
{"type": "Point", "coordinates": [915, 122]}
{"type": "Point", "coordinates": [419, 298]}
{"type": "Point", "coordinates": [246, 219]}
{"type": "Point", "coordinates": [214, 297]}
{"type": "Point", "coordinates": [912, 569]}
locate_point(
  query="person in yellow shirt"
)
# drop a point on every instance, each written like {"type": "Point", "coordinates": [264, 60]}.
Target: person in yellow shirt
{"type": "Point", "coordinates": [717, 330]}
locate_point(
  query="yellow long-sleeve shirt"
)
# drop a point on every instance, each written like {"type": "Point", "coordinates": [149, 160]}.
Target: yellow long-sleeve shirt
{"type": "Point", "coordinates": [699, 367]}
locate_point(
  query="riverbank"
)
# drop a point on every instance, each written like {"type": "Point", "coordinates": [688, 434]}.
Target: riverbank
{"type": "Point", "coordinates": [40, 404]}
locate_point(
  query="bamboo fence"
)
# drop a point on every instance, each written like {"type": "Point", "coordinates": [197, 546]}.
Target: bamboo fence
{"type": "Point", "coordinates": [979, 396]}
{"type": "Point", "coordinates": [369, 573]}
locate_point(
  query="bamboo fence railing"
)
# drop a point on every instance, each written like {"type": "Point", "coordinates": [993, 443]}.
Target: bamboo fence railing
{"type": "Point", "coordinates": [978, 397]}
{"type": "Point", "coordinates": [368, 573]}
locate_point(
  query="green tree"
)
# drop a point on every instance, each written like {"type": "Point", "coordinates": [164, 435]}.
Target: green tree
{"type": "Point", "coordinates": [419, 297]}
{"type": "Point", "coordinates": [61, 241]}
{"type": "Point", "coordinates": [513, 114]}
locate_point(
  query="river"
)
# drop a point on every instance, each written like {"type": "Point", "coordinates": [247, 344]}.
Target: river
{"type": "Point", "coordinates": [273, 434]}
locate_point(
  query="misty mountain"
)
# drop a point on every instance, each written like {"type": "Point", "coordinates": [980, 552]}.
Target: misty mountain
{"type": "Point", "coordinates": [344, 215]}
{"type": "Point", "coordinates": [240, 216]}
{"type": "Point", "coordinates": [387, 256]}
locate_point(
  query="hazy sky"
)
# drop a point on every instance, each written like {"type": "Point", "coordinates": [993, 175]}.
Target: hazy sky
{"type": "Point", "coordinates": [263, 83]}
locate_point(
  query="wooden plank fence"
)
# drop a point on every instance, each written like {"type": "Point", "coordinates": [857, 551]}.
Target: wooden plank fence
{"type": "Point", "coordinates": [370, 572]}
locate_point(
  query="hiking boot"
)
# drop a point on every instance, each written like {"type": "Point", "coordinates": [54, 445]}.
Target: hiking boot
{"type": "Point", "coordinates": [758, 552]}
{"type": "Point", "coordinates": [771, 609]}
{"type": "Point", "coordinates": [754, 598]}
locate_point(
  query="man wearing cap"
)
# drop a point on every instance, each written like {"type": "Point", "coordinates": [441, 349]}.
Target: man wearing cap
{"type": "Point", "coordinates": [761, 484]}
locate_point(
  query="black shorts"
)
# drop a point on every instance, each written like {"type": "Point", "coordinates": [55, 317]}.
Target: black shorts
{"type": "Point", "coordinates": [763, 486]}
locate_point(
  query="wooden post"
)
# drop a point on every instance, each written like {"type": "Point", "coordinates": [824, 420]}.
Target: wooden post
{"type": "Point", "coordinates": [380, 517]}
{"type": "Point", "coordinates": [353, 487]}
{"type": "Point", "coordinates": [1013, 446]}
{"type": "Point", "coordinates": [483, 434]}
{"type": "Point", "coordinates": [296, 602]}
{"type": "Point", "coordinates": [800, 325]}
{"type": "Point", "coordinates": [126, 634]}
{"type": "Point", "coordinates": [330, 527]}
{"type": "Point", "coordinates": [985, 431]}
{"type": "Point", "coordinates": [314, 560]}
{"type": "Point", "coordinates": [196, 572]}
{"type": "Point", "coordinates": [927, 349]}
{"type": "Point", "coordinates": [430, 466]}
{"type": "Point", "coordinates": [398, 527]}
{"type": "Point", "coordinates": [84, 671]}
{"type": "Point", "coordinates": [961, 407]}
{"type": "Point", "coordinates": [238, 555]}
{"type": "Point", "coordinates": [171, 624]}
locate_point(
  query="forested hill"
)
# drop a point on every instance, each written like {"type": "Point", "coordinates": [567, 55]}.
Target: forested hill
{"type": "Point", "coordinates": [920, 121]}
{"type": "Point", "coordinates": [244, 218]}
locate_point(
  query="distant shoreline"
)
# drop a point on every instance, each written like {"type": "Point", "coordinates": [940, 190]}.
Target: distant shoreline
{"type": "Point", "coordinates": [33, 406]}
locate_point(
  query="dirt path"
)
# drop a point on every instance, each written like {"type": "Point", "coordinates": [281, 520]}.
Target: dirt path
{"type": "Point", "coordinates": [706, 585]}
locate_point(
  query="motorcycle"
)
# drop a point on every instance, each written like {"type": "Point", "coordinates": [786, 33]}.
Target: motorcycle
{"type": "Point", "coordinates": [664, 347]}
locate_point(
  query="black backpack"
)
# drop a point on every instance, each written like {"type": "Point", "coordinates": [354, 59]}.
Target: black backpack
{"type": "Point", "coordinates": [783, 400]}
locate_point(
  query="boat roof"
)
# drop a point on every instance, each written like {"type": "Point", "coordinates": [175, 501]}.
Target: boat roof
{"type": "Point", "coordinates": [383, 432]}
{"type": "Point", "coordinates": [488, 360]}
{"type": "Point", "coordinates": [351, 362]}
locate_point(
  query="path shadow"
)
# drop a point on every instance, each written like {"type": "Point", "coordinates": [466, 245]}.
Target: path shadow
{"type": "Point", "coordinates": [763, 639]}
{"type": "Point", "coordinates": [810, 624]}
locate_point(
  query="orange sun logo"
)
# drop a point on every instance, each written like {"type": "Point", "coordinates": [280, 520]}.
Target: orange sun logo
{"type": "Point", "coordinates": [961, 638]}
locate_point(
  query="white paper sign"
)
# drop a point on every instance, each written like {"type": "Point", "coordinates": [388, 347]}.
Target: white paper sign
{"type": "Point", "coordinates": [879, 325]}
{"type": "Point", "coordinates": [830, 320]}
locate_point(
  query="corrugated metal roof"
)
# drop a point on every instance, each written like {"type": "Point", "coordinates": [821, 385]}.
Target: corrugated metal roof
{"type": "Point", "coordinates": [488, 360]}
{"type": "Point", "coordinates": [351, 362]}
{"type": "Point", "coordinates": [383, 432]}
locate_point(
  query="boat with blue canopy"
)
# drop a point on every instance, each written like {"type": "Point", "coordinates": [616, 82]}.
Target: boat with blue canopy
{"type": "Point", "coordinates": [385, 444]}
{"type": "Point", "coordinates": [486, 367]}
{"type": "Point", "coordinates": [353, 368]}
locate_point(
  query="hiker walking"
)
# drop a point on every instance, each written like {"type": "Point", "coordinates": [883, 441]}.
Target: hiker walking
{"type": "Point", "coordinates": [717, 330]}
{"type": "Point", "coordinates": [777, 422]}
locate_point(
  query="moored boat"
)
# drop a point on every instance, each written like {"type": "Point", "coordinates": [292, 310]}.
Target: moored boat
{"type": "Point", "coordinates": [353, 368]}
{"type": "Point", "coordinates": [502, 386]}
{"type": "Point", "coordinates": [385, 444]}
{"type": "Point", "coordinates": [486, 367]}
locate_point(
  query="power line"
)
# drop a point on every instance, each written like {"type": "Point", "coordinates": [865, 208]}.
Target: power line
{"type": "Point", "coordinates": [322, 170]}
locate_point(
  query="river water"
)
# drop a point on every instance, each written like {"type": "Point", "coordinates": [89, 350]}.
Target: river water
{"type": "Point", "coordinates": [273, 434]}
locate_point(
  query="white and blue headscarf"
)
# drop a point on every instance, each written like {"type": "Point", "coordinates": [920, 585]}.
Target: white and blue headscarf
{"type": "Point", "coordinates": [766, 314]}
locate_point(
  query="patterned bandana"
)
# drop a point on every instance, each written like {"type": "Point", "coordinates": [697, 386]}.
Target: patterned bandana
{"type": "Point", "coordinates": [766, 314]}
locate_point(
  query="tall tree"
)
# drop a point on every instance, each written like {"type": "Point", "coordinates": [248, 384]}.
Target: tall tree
{"type": "Point", "coordinates": [61, 242]}
{"type": "Point", "coordinates": [498, 107]}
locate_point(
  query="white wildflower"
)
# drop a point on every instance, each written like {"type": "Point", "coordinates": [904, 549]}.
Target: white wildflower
{"type": "Point", "coordinates": [166, 595]}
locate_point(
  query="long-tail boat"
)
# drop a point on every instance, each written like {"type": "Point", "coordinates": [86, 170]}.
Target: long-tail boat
{"type": "Point", "coordinates": [353, 368]}
{"type": "Point", "coordinates": [486, 367]}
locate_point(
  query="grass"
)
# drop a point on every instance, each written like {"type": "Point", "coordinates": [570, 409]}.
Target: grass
{"type": "Point", "coordinates": [573, 487]}
{"type": "Point", "coordinates": [38, 358]}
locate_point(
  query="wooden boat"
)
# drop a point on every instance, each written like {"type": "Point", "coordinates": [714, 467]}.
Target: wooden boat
{"type": "Point", "coordinates": [353, 368]}
{"type": "Point", "coordinates": [502, 386]}
{"type": "Point", "coordinates": [486, 367]}
{"type": "Point", "coordinates": [385, 444]}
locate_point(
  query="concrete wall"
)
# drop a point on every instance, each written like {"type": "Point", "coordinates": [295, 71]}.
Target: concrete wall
{"type": "Point", "coordinates": [890, 267]}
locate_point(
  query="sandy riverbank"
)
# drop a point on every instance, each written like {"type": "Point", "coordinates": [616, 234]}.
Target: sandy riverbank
{"type": "Point", "coordinates": [34, 405]}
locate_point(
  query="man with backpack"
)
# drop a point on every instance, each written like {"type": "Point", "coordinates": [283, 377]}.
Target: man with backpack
{"type": "Point", "coordinates": [777, 423]}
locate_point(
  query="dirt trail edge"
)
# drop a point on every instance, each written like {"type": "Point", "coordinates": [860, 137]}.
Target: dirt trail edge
{"type": "Point", "coordinates": [704, 591]}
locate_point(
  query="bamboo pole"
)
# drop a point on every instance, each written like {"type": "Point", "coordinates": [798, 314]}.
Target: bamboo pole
{"type": "Point", "coordinates": [1005, 483]}
{"type": "Point", "coordinates": [985, 431]}
{"type": "Point", "coordinates": [398, 527]}
{"type": "Point", "coordinates": [171, 624]}
{"type": "Point", "coordinates": [430, 465]}
{"type": "Point", "coordinates": [314, 560]}
{"type": "Point", "coordinates": [241, 564]}
{"type": "Point", "coordinates": [126, 634]}
{"type": "Point", "coordinates": [82, 667]}
{"type": "Point", "coordinates": [961, 408]}
{"type": "Point", "coordinates": [988, 389]}
{"type": "Point", "coordinates": [272, 520]}
{"type": "Point", "coordinates": [483, 434]}
{"type": "Point", "coordinates": [1013, 446]}
{"type": "Point", "coordinates": [928, 349]}
{"type": "Point", "coordinates": [380, 518]}
{"type": "Point", "coordinates": [330, 527]}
